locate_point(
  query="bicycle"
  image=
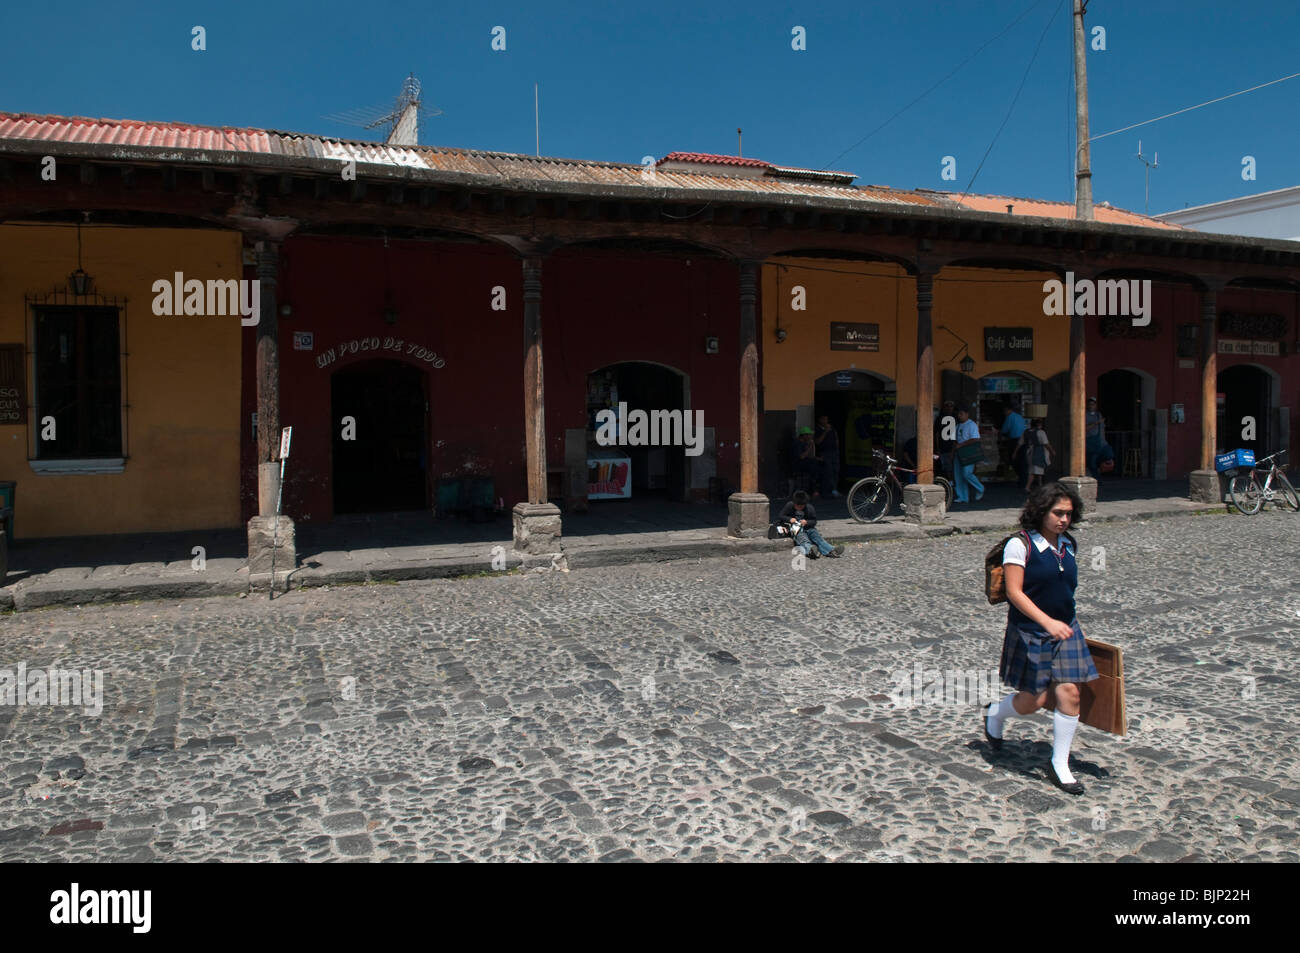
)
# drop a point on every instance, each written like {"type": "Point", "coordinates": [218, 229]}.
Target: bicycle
{"type": "Point", "coordinates": [874, 496]}
{"type": "Point", "coordinates": [1249, 496]}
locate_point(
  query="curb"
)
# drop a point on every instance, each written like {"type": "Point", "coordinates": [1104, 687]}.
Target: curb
{"type": "Point", "coordinates": [592, 557]}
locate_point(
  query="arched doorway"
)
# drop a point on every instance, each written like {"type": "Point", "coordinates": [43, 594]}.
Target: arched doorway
{"type": "Point", "coordinates": [860, 407]}
{"type": "Point", "coordinates": [655, 470]}
{"type": "Point", "coordinates": [1245, 398]}
{"type": "Point", "coordinates": [381, 462]}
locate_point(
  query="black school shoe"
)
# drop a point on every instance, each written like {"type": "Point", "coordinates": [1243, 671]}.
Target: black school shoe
{"type": "Point", "coordinates": [836, 553]}
{"type": "Point", "coordinates": [1074, 787]}
{"type": "Point", "coordinates": [994, 743]}
{"type": "Point", "coordinates": [814, 553]}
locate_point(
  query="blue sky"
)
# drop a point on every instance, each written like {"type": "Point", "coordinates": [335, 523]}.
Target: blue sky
{"type": "Point", "coordinates": [624, 80]}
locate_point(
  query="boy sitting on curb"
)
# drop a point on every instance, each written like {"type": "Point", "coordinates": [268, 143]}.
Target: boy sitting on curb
{"type": "Point", "coordinates": [799, 520]}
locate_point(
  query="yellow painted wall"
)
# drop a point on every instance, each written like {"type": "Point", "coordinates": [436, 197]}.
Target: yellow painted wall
{"type": "Point", "coordinates": [182, 380]}
{"type": "Point", "coordinates": [970, 299]}
{"type": "Point", "coordinates": [860, 292]}
{"type": "Point", "coordinates": [965, 299]}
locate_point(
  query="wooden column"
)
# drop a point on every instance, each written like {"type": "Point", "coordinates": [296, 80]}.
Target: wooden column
{"type": "Point", "coordinates": [748, 377]}
{"type": "Point", "coordinates": [924, 378]}
{"type": "Point", "coordinates": [1078, 396]}
{"type": "Point", "coordinates": [1209, 377]}
{"type": "Point", "coordinates": [534, 392]}
{"type": "Point", "coordinates": [268, 375]}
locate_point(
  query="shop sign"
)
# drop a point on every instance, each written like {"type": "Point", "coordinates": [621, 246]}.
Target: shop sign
{"type": "Point", "coordinates": [854, 337]}
{"type": "Point", "coordinates": [1254, 327]}
{"type": "Point", "coordinates": [1121, 327]}
{"type": "Point", "coordinates": [1006, 385]}
{"type": "Point", "coordinates": [1230, 346]}
{"type": "Point", "coordinates": [844, 379]}
{"type": "Point", "coordinates": [1008, 344]}
{"type": "Point", "coordinates": [13, 388]}
{"type": "Point", "coordinates": [416, 352]}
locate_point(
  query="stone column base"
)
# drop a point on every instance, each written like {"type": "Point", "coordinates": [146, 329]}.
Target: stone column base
{"type": "Point", "coordinates": [540, 562]}
{"type": "Point", "coordinates": [748, 515]}
{"type": "Point", "coordinates": [264, 535]}
{"type": "Point", "coordinates": [924, 503]}
{"type": "Point", "coordinates": [1206, 486]}
{"type": "Point", "coordinates": [537, 528]}
{"type": "Point", "coordinates": [1084, 487]}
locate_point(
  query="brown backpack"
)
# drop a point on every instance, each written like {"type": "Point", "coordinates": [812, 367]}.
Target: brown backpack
{"type": "Point", "coordinates": [994, 587]}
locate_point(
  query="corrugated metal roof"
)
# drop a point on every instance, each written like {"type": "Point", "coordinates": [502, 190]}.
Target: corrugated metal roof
{"type": "Point", "coordinates": [511, 170]}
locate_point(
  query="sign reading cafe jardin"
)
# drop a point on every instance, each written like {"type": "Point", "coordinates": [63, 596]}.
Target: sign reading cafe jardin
{"type": "Point", "coordinates": [1008, 344]}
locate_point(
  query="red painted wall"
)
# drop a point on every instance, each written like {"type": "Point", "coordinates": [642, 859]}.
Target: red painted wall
{"type": "Point", "coordinates": [599, 307]}
{"type": "Point", "coordinates": [1175, 304]}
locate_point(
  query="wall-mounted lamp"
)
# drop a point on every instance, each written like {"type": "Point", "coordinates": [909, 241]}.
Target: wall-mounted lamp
{"type": "Point", "coordinates": [781, 335]}
{"type": "Point", "coordinates": [286, 310]}
{"type": "Point", "coordinates": [80, 282]}
{"type": "Point", "coordinates": [967, 363]}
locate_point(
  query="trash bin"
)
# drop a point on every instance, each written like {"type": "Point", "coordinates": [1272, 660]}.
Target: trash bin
{"type": "Point", "coordinates": [8, 490]}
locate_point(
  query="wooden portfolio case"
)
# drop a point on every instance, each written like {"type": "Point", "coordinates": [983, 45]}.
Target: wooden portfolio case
{"type": "Point", "coordinates": [1101, 701]}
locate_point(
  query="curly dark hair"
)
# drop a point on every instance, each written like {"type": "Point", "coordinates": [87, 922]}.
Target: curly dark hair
{"type": "Point", "coordinates": [1042, 500]}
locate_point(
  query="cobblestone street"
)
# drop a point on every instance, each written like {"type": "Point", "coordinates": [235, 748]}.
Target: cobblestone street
{"type": "Point", "coordinates": [728, 708]}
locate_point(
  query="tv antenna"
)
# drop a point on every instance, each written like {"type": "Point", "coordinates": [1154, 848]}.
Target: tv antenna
{"type": "Point", "coordinates": [1153, 164]}
{"type": "Point", "coordinates": [402, 119]}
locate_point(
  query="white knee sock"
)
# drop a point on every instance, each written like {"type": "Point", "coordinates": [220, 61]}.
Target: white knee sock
{"type": "Point", "coordinates": [1000, 711]}
{"type": "Point", "coordinates": [1062, 736]}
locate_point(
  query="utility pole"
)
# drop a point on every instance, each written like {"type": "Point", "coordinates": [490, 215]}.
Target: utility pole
{"type": "Point", "coordinates": [1083, 172]}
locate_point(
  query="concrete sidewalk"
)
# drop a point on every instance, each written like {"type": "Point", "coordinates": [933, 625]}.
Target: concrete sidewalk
{"type": "Point", "coordinates": [73, 574]}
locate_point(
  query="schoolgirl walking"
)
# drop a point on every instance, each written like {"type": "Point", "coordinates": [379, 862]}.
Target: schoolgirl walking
{"type": "Point", "coordinates": [1044, 648]}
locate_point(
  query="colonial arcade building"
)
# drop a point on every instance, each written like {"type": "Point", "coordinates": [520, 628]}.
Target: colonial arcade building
{"type": "Point", "coordinates": [446, 317]}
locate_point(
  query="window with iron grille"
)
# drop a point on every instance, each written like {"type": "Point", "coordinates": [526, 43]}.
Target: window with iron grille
{"type": "Point", "coordinates": [78, 382]}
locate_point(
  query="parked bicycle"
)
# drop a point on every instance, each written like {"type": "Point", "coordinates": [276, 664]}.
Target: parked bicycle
{"type": "Point", "coordinates": [874, 496]}
{"type": "Point", "coordinates": [1249, 495]}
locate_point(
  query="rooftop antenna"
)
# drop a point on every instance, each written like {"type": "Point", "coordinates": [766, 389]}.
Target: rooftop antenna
{"type": "Point", "coordinates": [1153, 164]}
{"type": "Point", "coordinates": [402, 118]}
{"type": "Point", "coordinates": [739, 142]}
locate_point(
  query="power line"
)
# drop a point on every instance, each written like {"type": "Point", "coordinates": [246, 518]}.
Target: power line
{"type": "Point", "coordinates": [1197, 106]}
{"type": "Point", "coordinates": [934, 87]}
{"type": "Point", "coordinates": [1014, 100]}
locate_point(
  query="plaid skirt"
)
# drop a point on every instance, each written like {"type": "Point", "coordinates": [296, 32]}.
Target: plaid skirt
{"type": "Point", "coordinates": [1031, 660]}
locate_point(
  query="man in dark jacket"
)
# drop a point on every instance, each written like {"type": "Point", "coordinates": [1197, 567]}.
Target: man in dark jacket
{"type": "Point", "coordinates": [799, 520]}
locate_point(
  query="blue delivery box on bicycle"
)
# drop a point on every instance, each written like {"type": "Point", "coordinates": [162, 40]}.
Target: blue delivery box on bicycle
{"type": "Point", "coordinates": [1236, 460]}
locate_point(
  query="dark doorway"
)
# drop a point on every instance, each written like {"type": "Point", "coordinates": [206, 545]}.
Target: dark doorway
{"type": "Point", "coordinates": [1119, 401]}
{"type": "Point", "coordinates": [655, 470]}
{"type": "Point", "coordinates": [384, 468]}
{"type": "Point", "coordinates": [1244, 391]}
{"type": "Point", "coordinates": [861, 413]}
